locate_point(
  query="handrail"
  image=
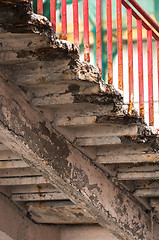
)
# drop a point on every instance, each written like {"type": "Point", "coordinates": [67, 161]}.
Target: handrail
{"type": "Point", "coordinates": [144, 21]}
{"type": "Point", "coordinates": [137, 17]}
{"type": "Point", "coordinates": [144, 14]}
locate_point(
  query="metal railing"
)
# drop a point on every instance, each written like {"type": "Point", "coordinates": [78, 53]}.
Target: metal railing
{"type": "Point", "coordinates": [143, 21]}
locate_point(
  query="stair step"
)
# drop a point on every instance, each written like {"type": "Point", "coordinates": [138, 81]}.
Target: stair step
{"type": "Point", "coordinates": [38, 72]}
{"type": "Point", "coordinates": [71, 121]}
{"type": "Point", "coordinates": [139, 167]}
{"type": "Point", "coordinates": [18, 172]}
{"type": "Point", "coordinates": [7, 155]}
{"type": "Point", "coordinates": [53, 99]}
{"type": "Point", "coordinates": [11, 164]}
{"type": "Point", "coordinates": [24, 41]}
{"type": "Point", "coordinates": [96, 141]}
{"type": "Point", "coordinates": [69, 98]}
{"type": "Point", "coordinates": [130, 158]}
{"type": "Point", "coordinates": [146, 193]}
{"type": "Point", "coordinates": [58, 212]}
{"type": "Point", "coordinates": [105, 131]}
{"type": "Point", "coordinates": [74, 122]}
{"type": "Point", "coordinates": [45, 196]}
{"type": "Point", "coordinates": [64, 87]}
{"type": "Point", "coordinates": [22, 180]}
{"type": "Point", "coordinates": [98, 119]}
{"type": "Point", "coordinates": [20, 47]}
{"type": "Point", "coordinates": [138, 175]}
{"type": "Point", "coordinates": [37, 188]}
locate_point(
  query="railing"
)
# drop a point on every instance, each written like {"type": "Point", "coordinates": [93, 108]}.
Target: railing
{"type": "Point", "coordinates": [144, 21]}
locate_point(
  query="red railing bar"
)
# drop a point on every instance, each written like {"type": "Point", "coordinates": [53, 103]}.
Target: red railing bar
{"type": "Point", "coordinates": [130, 59]}
{"type": "Point", "coordinates": [98, 35]}
{"type": "Point", "coordinates": [40, 7]}
{"type": "Point", "coordinates": [109, 42]}
{"type": "Point", "coordinates": [75, 23]}
{"type": "Point", "coordinates": [140, 67]}
{"type": "Point", "coordinates": [64, 19]}
{"type": "Point", "coordinates": [158, 70]}
{"type": "Point", "coordinates": [137, 17]}
{"type": "Point", "coordinates": [119, 45]}
{"type": "Point", "coordinates": [86, 31]}
{"type": "Point", "coordinates": [150, 77]}
{"type": "Point", "coordinates": [53, 14]}
{"type": "Point", "coordinates": [145, 14]}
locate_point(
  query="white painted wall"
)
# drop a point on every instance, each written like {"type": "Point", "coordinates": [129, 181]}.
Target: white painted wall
{"type": "Point", "coordinates": [86, 233]}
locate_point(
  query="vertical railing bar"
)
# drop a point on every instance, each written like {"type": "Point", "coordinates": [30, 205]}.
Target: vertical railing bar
{"type": "Point", "coordinates": [98, 35]}
{"type": "Point", "coordinates": [140, 67]}
{"type": "Point", "coordinates": [75, 23]}
{"type": "Point", "coordinates": [158, 70]}
{"type": "Point", "coordinates": [53, 14]}
{"type": "Point", "coordinates": [40, 7]}
{"type": "Point", "coordinates": [86, 31]}
{"type": "Point", "coordinates": [64, 19]}
{"type": "Point", "coordinates": [150, 77]}
{"type": "Point", "coordinates": [109, 42]}
{"type": "Point", "coordinates": [130, 59]}
{"type": "Point", "coordinates": [119, 45]}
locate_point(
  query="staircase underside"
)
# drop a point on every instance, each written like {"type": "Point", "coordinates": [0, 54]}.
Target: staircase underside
{"type": "Point", "coordinates": [69, 151]}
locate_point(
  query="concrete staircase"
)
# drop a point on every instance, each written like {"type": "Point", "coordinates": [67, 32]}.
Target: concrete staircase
{"type": "Point", "coordinates": [91, 115]}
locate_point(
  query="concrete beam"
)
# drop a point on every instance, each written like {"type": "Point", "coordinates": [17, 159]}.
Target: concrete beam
{"type": "Point", "coordinates": [25, 132]}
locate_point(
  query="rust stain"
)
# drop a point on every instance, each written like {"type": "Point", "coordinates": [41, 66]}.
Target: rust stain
{"type": "Point", "coordinates": [142, 110]}
{"type": "Point", "coordinates": [39, 191]}
{"type": "Point", "coordinates": [69, 119]}
{"type": "Point", "coordinates": [45, 150]}
{"type": "Point", "coordinates": [131, 104]}
{"type": "Point", "coordinates": [77, 208]}
{"type": "Point", "coordinates": [39, 205]}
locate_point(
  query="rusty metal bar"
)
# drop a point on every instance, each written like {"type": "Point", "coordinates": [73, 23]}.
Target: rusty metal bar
{"type": "Point", "coordinates": [64, 19]}
{"type": "Point", "coordinates": [119, 45]}
{"type": "Point", "coordinates": [53, 14]}
{"type": "Point", "coordinates": [98, 35]}
{"type": "Point", "coordinates": [40, 7]}
{"type": "Point", "coordinates": [75, 23]}
{"type": "Point", "coordinates": [140, 67]}
{"type": "Point", "coordinates": [150, 77]}
{"type": "Point", "coordinates": [130, 59]}
{"type": "Point", "coordinates": [109, 42]}
{"type": "Point", "coordinates": [86, 31]}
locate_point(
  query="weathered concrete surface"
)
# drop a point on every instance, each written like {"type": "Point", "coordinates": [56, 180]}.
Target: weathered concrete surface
{"type": "Point", "coordinates": [26, 132]}
{"type": "Point", "coordinates": [4, 236]}
{"type": "Point", "coordinates": [18, 227]}
{"type": "Point", "coordinates": [17, 16]}
{"type": "Point", "coordinates": [85, 233]}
